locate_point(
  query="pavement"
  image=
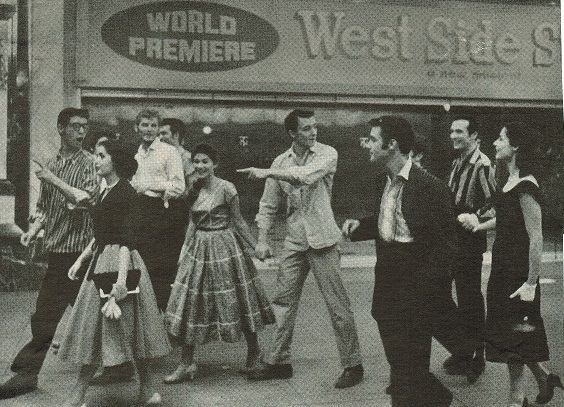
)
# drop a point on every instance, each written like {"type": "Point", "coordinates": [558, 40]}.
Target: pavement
{"type": "Point", "coordinates": [315, 361]}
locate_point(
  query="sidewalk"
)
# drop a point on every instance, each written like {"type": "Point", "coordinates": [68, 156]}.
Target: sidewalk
{"type": "Point", "coordinates": [315, 360]}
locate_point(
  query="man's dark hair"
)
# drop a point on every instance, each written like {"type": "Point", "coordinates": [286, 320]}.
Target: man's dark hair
{"type": "Point", "coordinates": [123, 160]}
{"type": "Point", "coordinates": [395, 128]}
{"type": "Point", "coordinates": [291, 121]}
{"type": "Point", "coordinates": [64, 117]}
{"type": "Point", "coordinates": [472, 123]}
{"type": "Point", "coordinates": [419, 146]}
{"type": "Point", "coordinates": [176, 126]}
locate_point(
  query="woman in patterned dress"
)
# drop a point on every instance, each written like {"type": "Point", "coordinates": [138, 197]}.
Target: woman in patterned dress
{"type": "Point", "coordinates": [217, 293]}
{"type": "Point", "coordinates": [515, 332]}
{"type": "Point", "coordinates": [124, 327]}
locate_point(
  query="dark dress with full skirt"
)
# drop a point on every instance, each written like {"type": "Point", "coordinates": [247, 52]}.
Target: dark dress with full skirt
{"type": "Point", "coordinates": [515, 330]}
{"type": "Point", "coordinates": [91, 338]}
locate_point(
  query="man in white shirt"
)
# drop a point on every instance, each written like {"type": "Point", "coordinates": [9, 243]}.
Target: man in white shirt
{"type": "Point", "coordinates": [159, 181]}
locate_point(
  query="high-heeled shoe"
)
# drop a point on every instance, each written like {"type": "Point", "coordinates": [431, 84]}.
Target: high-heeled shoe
{"type": "Point", "coordinates": [181, 374]}
{"type": "Point", "coordinates": [155, 399]}
{"type": "Point", "coordinates": [525, 403]}
{"type": "Point", "coordinates": [547, 391]}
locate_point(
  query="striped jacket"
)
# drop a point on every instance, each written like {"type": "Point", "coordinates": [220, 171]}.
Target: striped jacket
{"type": "Point", "coordinates": [472, 182]}
{"type": "Point", "coordinates": [68, 229]}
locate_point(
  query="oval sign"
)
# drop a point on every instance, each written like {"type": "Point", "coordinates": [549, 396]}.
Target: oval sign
{"type": "Point", "coordinates": [190, 36]}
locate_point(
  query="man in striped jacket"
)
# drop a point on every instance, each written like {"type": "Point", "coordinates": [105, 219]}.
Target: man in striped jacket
{"type": "Point", "coordinates": [68, 186]}
{"type": "Point", "coordinates": [472, 183]}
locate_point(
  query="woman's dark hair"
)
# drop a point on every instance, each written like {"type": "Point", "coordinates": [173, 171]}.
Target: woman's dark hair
{"type": "Point", "coordinates": [92, 138]}
{"type": "Point", "coordinates": [123, 161]}
{"type": "Point", "coordinates": [206, 149]}
{"type": "Point", "coordinates": [197, 186]}
{"type": "Point", "coordinates": [525, 138]}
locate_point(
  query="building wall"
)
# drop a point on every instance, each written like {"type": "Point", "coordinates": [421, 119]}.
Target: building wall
{"type": "Point", "coordinates": [47, 95]}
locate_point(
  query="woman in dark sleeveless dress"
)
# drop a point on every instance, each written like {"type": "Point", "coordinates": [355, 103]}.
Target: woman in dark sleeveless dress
{"type": "Point", "coordinates": [515, 332]}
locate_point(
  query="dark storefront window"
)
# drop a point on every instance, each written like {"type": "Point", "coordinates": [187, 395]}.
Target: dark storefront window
{"type": "Point", "coordinates": [253, 135]}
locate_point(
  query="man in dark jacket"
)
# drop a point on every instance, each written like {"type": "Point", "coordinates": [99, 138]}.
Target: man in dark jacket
{"type": "Point", "coordinates": [415, 244]}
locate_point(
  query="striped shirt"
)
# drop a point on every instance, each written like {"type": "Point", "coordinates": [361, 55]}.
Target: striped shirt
{"type": "Point", "coordinates": [67, 228]}
{"type": "Point", "coordinates": [392, 226]}
{"type": "Point", "coordinates": [472, 182]}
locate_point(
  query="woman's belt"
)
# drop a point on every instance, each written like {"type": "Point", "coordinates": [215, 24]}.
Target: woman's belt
{"type": "Point", "coordinates": [205, 229]}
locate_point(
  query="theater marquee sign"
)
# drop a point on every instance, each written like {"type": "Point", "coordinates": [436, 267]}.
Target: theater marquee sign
{"type": "Point", "coordinates": [433, 49]}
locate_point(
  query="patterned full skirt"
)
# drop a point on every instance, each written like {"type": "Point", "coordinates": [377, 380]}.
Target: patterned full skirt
{"type": "Point", "coordinates": [92, 339]}
{"type": "Point", "coordinates": [217, 294]}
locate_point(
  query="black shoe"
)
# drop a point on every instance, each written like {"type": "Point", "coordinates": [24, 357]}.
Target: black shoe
{"type": "Point", "coordinates": [270, 372]}
{"type": "Point", "coordinates": [114, 374]}
{"type": "Point", "coordinates": [457, 365]}
{"type": "Point", "coordinates": [17, 385]}
{"type": "Point", "coordinates": [547, 393]}
{"type": "Point", "coordinates": [475, 369]}
{"type": "Point", "coordinates": [350, 377]}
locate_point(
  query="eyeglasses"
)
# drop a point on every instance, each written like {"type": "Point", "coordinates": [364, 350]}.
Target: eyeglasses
{"type": "Point", "coordinates": [77, 126]}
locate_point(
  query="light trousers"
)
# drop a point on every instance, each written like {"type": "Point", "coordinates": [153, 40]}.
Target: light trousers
{"type": "Point", "coordinates": [326, 266]}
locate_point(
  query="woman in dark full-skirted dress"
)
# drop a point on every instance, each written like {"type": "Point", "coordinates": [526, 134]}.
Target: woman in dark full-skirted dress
{"type": "Point", "coordinates": [217, 293]}
{"type": "Point", "coordinates": [126, 325]}
{"type": "Point", "coordinates": [515, 332]}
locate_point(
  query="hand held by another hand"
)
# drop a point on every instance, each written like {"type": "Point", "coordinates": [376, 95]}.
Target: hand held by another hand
{"type": "Point", "coordinates": [111, 309]}
{"type": "Point", "coordinates": [73, 271]}
{"type": "Point", "coordinates": [526, 292]}
{"type": "Point", "coordinates": [349, 227]}
{"type": "Point", "coordinates": [263, 251]}
{"type": "Point", "coordinates": [25, 239]}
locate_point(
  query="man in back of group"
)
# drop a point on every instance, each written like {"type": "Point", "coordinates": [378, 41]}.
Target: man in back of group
{"type": "Point", "coordinates": [472, 183]}
{"type": "Point", "coordinates": [68, 185]}
{"type": "Point", "coordinates": [174, 132]}
{"type": "Point", "coordinates": [158, 180]}
{"type": "Point", "coordinates": [302, 179]}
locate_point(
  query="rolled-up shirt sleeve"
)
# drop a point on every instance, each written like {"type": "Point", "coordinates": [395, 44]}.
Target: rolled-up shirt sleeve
{"type": "Point", "coordinates": [175, 172]}
{"type": "Point", "coordinates": [90, 185]}
{"type": "Point", "coordinates": [319, 166]}
{"type": "Point", "coordinates": [269, 204]}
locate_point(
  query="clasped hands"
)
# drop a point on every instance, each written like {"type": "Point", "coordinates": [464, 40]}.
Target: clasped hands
{"type": "Point", "coordinates": [526, 292]}
{"type": "Point", "coordinates": [111, 308]}
{"type": "Point", "coordinates": [349, 227]}
{"type": "Point", "coordinates": [469, 221]}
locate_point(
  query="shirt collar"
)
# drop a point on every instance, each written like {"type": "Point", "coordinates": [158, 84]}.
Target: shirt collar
{"type": "Point", "coordinates": [474, 156]}
{"type": "Point", "coordinates": [314, 149]}
{"type": "Point", "coordinates": [72, 157]}
{"type": "Point", "coordinates": [470, 158]}
{"type": "Point", "coordinates": [154, 145]}
{"type": "Point", "coordinates": [405, 170]}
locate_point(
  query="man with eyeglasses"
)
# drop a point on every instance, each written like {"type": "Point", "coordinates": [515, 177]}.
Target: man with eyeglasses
{"type": "Point", "coordinates": [68, 185]}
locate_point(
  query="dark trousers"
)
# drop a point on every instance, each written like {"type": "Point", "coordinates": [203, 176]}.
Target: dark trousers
{"type": "Point", "coordinates": [159, 241]}
{"type": "Point", "coordinates": [56, 293]}
{"type": "Point", "coordinates": [449, 326]}
{"type": "Point", "coordinates": [404, 305]}
{"type": "Point", "coordinates": [468, 282]}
